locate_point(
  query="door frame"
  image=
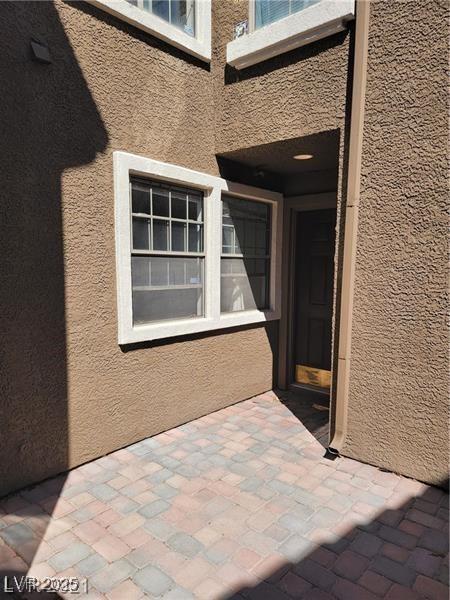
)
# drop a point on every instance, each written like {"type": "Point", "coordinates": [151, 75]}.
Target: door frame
{"type": "Point", "coordinates": [292, 206]}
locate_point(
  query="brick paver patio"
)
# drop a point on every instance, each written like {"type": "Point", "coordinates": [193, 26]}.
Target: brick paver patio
{"type": "Point", "coordinates": [240, 503]}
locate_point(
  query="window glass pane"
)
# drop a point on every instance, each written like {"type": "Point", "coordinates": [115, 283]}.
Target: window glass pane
{"type": "Point", "coordinates": [140, 199]}
{"type": "Point", "coordinates": [141, 233]}
{"type": "Point", "coordinates": [261, 239]}
{"type": "Point", "coordinates": [166, 288]}
{"type": "Point", "coordinates": [195, 208]}
{"type": "Point", "coordinates": [177, 271]}
{"type": "Point", "coordinates": [180, 13]}
{"type": "Point", "coordinates": [179, 204]}
{"type": "Point", "coordinates": [159, 270]}
{"type": "Point", "coordinates": [227, 240]}
{"type": "Point", "coordinates": [250, 223]}
{"type": "Point", "coordinates": [194, 271]}
{"type": "Point", "coordinates": [239, 238]}
{"type": "Point", "coordinates": [245, 281]}
{"type": "Point", "coordinates": [269, 11]}
{"type": "Point", "coordinates": [195, 238]}
{"type": "Point", "coordinates": [161, 9]}
{"type": "Point", "coordinates": [160, 202]}
{"type": "Point", "coordinates": [160, 235]}
{"type": "Point", "coordinates": [244, 284]}
{"type": "Point", "coordinates": [140, 273]}
{"type": "Point", "coordinates": [178, 236]}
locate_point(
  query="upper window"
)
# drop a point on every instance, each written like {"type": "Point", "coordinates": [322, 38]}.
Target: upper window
{"type": "Point", "coordinates": [268, 11]}
{"type": "Point", "coordinates": [278, 26]}
{"type": "Point", "coordinates": [180, 13]}
{"type": "Point", "coordinates": [167, 262]}
{"type": "Point", "coordinates": [245, 261]}
{"type": "Point", "coordinates": [185, 24]}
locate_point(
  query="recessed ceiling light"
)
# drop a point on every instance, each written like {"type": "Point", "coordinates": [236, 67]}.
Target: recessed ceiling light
{"type": "Point", "coordinates": [302, 156]}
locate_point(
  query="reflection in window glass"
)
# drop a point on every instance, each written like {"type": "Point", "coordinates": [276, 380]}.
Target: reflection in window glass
{"type": "Point", "coordinates": [141, 234]}
{"type": "Point", "coordinates": [160, 235]}
{"type": "Point", "coordinates": [180, 13]}
{"type": "Point", "coordinates": [269, 11]}
{"type": "Point", "coordinates": [166, 288]}
{"type": "Point", "coordinates": [178, 236]}
{"type": "Point", "coordinates": [245, 255]}
{"type": "Point", "coordinates": [166, 282]}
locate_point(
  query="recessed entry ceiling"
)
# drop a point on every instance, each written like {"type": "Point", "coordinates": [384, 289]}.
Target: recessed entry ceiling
{"type": "Point", "coordinates": [278, 156]}
{"type": "Point", "coordinates": [275, 164]}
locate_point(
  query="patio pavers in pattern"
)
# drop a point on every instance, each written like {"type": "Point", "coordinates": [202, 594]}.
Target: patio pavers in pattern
{"type": "Point", "coordinates": [240, 503]}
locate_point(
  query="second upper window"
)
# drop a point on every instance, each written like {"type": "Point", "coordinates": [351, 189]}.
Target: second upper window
{"type": "Point", "coordinates": [269, 11]}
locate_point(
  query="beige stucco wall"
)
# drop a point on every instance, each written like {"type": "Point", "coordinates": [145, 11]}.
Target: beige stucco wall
{"type": "Point", "coordinates": [398, 407]}
{"type": "Point", "coordinates": [296, 94]}
{"type": "Point", "coordinates": [68, 392]}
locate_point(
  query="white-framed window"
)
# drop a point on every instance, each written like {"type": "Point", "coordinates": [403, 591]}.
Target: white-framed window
{"type": "Point", "coordinates": [185, 24]}
{"type": "Point", "coordinates": [167, 257]}
{"type": "Point", "coordinates": [176, 273]}
{"type": "Point", "coordinates": [277, 26]}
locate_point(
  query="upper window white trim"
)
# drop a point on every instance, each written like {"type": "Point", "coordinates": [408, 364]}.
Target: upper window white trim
{"type": "Point", "coordinates": [128, 165]}
{"type": "Point", "coordinates": [298, 29]}
{"type": "Point", "coordinates": [198, 46]}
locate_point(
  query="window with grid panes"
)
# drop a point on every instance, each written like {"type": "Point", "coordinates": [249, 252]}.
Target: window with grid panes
{"type": "Point", "coordinates": [167, 262]}
{"type": "Point", "coordinates": [245, 259]}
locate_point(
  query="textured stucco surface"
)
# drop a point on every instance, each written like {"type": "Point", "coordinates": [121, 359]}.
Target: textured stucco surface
{"type": "Point", "coordinates": [68, 392]}
{"type": "Point", "coordinates": [398, 407]}
{"type": "Point", "coordinates": [295, 94]}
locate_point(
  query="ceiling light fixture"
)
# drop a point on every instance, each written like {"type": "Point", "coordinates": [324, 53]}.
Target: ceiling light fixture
{"type": "Point", "coordinates": [302, 156]}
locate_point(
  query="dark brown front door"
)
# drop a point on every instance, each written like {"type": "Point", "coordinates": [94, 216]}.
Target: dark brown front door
{"type": "Point", "coordinates": [314, 296]}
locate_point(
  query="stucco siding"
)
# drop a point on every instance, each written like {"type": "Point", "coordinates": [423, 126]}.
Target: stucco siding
{"type": "Point", "coordinates": [295, 94]}
{"type": "Point", "coordinates": [398, 407]}
{"type": "Point", "coordinates": [68, 392]}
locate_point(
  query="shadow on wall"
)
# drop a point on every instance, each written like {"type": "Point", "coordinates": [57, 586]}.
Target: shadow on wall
{"type": "Point", "coordinates": [56, 126]}
{"type": "Point", "coordinates": [233, 75]}
{"type": "Point", "coordinates": [402, 553]}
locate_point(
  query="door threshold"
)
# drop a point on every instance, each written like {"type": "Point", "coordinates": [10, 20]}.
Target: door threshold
{"type": "Point", "coordinates": [304, 387]}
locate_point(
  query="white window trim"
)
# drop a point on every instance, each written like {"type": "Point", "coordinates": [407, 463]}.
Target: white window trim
{"type": "Point", "coordinates": [298, 29]}
{"type": "Point", "coordinates": [125, 166]}
{"type": "Point", "coordinates": [198, 46]}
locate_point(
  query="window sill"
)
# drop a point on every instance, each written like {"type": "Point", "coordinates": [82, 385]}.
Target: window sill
{"type": "Point", "coordinates": [182, 327]}
{"type": "Point", "coordinates": [314, 23]}
{"type": "Point", "coordinates": [199, 46]}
